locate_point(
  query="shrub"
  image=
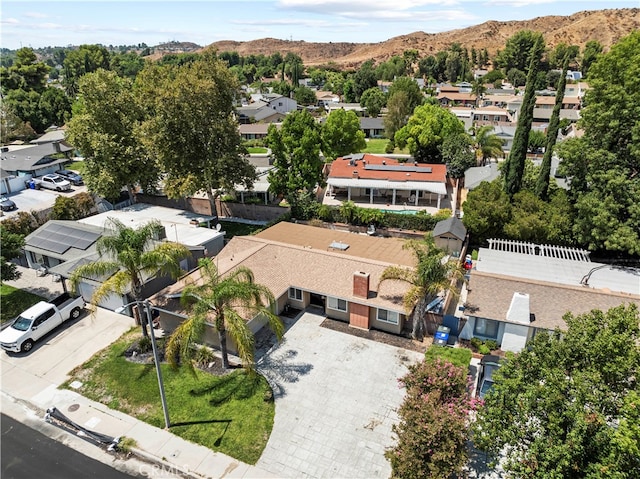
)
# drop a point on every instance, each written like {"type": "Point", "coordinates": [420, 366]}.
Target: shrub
{"type": "Point", "coordinates": [126, 444]}
{"type": "Point", "coordinates": [144, 344]}
{"type": "Point", "coordinates": [204, 356]}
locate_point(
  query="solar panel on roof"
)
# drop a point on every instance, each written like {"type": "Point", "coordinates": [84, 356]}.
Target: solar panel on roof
{"type": "Point", "coordinates": [415, 169]}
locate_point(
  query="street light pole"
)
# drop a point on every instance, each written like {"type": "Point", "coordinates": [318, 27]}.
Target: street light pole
{"type": "Point", "coordinates": [156, 358]}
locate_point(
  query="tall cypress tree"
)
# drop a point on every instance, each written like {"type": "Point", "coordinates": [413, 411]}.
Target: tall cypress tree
{"type": "Point", "coordinates": [542, 184]}
{"type": "Point", "coordinates": [518, 154]}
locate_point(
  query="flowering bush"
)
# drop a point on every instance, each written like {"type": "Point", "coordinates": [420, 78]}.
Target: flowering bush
{"type": "Point", "coordinates": [433, 428]}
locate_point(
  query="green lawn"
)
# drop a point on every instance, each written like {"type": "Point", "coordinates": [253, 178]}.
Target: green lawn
{"type": "Point", "coordinates": [257, 150]}
{"type": "Point", "coordinates": [77, 166]}
{"type": "Point", "coordinates": [378, 145]}
{"type": "Point", "coordinates": [14, 301]}
{"type": "Point", "coordinates": [238, 229]}
{"type": "Point", "coordinates": [460, 357]}
{"type": "Point", "coordinates": [228, 413]}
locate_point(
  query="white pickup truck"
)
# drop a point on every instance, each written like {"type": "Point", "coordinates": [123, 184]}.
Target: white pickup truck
{"type": "Point", "coordinates": [53, 182]}
{"type": "Point", "coordinates": [38, 320]}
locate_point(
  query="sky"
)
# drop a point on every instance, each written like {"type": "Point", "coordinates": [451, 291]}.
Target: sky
{"type": "Point", "coordinates": [62, 23]}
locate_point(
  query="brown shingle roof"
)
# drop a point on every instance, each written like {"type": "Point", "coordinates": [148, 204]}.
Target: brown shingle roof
{"type": "Point", "coordinates": [288, 255]}
{"type": "Point", "coordinates": [489, 296]}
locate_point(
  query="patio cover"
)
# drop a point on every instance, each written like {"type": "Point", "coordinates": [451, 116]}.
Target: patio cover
{"type": "Point", "coordinates": [438, 188]}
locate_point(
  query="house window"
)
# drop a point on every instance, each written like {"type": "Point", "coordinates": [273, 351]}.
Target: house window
{"type": "Point", "coordinates": [295, 293]}
{"type": "Point", "coordinates": [496, 118]}
{"type": "Point", "coordinates": [336, 304]}
{"type": "Point", "coordinates": [390, 317]}
{"type": "Point", "coordinates": [487, 328]}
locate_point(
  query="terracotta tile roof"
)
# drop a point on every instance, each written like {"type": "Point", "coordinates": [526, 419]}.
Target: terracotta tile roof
{"type": "Point", "coordinates": [551, 100]}
{"type": "Point", "coordinates": [341, 168]}
{"type": "Point", "coordinates": [457, 96]}
{"type": "Point", "coordinates": [489, 296]}
{"type": "Point", "coordinates": [288, 254]}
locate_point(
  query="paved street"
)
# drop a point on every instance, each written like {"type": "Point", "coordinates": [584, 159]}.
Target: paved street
{"type": "Point", "coordinates": [27, 453]}
{"type": "Point", "coordinates": [336, 399]}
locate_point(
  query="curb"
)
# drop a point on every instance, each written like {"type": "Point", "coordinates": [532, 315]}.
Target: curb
{"type": "Point", "coordinates": [32, 416]}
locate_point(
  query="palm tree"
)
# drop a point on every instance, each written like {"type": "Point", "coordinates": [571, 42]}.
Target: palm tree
{"type": "Point", "coordinates": [432, 276]}
{"type": "Point", "coordinates": [127, 257]}
{"type": "Point", "coordinates": [218, 301]}
{"type": "Point", "coordinates": [488, 144]}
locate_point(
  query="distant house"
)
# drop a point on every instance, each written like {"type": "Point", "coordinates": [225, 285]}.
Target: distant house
{"type": "Point", "coordinates": [55, 135]}
{"type": "Point", "coordinates": [355, 107]}
{"type": "Point", "coordinates": [20, 163]}
{"type": "Point", "coordinates": [450, 235]}
{"type": "Point", "coordinates": [517, 290]}
{"type": "Point", "coordinates": [447, 98]}
{"type": "Point", "coordinates": [386, 182]}
{"type": "Point", "coordinates": [372, 127]}
{"type": "Point", "coordinates": [335, 272]}
{"type": "Point", "coordinates": [325, 98]}
{"type": "Point", "coordinates": [253, 131]}
{"type": "Point", "coordinates": [258, 112]}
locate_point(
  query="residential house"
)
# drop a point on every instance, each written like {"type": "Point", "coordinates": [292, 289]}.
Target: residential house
{"type": "Point", "coordinates": [386, 183]}
{"type": "Point", "coordinates": [20, 163]}
{"type": "Point", "coordinates": [517, 290]}
{"type": "Point", "coordinates": [53, 135]}
{"type": "Point", "coordinates": [543, 109]}
{"type": "Point", "coordinates": [259, 190]}
{"type": "Point", "coordinates": [450, 235]}
{"type": "Point", "coordinates": [59, 247]}
{"type": "Point", "coordinates": [384, 86]}
{"type": "Point", "coordinates": [253, 131]}
{"type": "Point", "coordinates": [474, 176]}
{"type": "Point", "coordinates": [447, 98]}
{"type": "Point", "coordinates": [372, 127]}
{"type": "Point", "coordinates": [258, 112]}
{"type": "Point", "coordinates": [334, 271]}
{"type": "Point", "coordinates": [355, 107]}
{"type": "Point", "coordinates": [325, 98]}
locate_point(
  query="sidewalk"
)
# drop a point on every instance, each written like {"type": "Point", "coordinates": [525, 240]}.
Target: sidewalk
{"type": "Point", "coordinates": [29, 386]}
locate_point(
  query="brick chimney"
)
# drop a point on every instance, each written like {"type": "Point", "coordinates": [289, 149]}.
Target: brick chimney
{"type": "Point", "coordinates": [361, 284]}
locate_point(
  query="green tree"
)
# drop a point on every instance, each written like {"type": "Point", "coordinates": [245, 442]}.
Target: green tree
{"type": "Point", "coordinates": [603, 164]}
{"type": "Point", "coordinates": [55, 107]}
{"type": "Point", "coordinates": [515, 163]}
{"type": "Point", "coordinates": [426, 130]}
{"type": "Point", "coordinates": [363, 79]}
{"type": "Point", "coordinates": [432, 432]}
{"type": "Point", "coordinates": [26, 73]}
{"type": "Point", "coordinates": [127, 64]}
{"type": "Point", "coordinates": [414, 95]}
{"type": "Point", "coordinates": [458, 154]}
{"type": "Point", "coordinates": [392, 68]}
{"type": "Point", "coordinates": [542, 185]}
{"type": "Point", "coordinates": [127, 257]}
{"type": "Point", "coordinates": [191, 129]}
{"type": "Point", "coordinates": [567, 405]}
{"type": "Point", "coordinates": [398, 113]}
{"type": "Point", "coordinates": [341, 134]}
{"type": "Point", "coordinates": [518, 51]}
{"type": "Point", "coordinates": [77, 63]}
{"type": "Point", "coordinates": [103, 127]}
{"type": "Point", "coordinates": [305, 95]}
{"type": "Point", "coordinates": [486, 211]}
{"type": "Point", "coordinates": [12, 244]}
{"type": "Point", "coordinates": [65, 208]}
{"type": "Point", "coordinates": [373, 100]}
{"type": "Point", "coordinates": [537, 140]}
{"type": "Point", "coordinates": [217, 301]}
{"type": "Point", "coordinates": [430, 277]}
{"type": "Point", "coordinates": [488, 145]}
{"type": "Point", "coordinates": [295, 149]}
{"type": "Point", "coordinates": [592, 50]}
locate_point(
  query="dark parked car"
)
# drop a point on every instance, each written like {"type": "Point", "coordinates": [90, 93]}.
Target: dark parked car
{"type": "Point", "coordinates": [488, 365]}
{"type": "Point", "coordinates": [6, 204]}
{"type": "Point", "coordinates": [73, 177]}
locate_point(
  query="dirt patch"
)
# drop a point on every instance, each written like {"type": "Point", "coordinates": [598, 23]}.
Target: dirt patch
{"type": "Point", "coordinates": [375, 335]}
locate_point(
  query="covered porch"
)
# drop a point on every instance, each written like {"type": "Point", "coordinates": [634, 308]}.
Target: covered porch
{"type": "Point", "coordinates": [388, 195]}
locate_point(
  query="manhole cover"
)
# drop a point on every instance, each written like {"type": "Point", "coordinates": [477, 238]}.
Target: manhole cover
{"type": "Point", "coordinates": [73, 407]}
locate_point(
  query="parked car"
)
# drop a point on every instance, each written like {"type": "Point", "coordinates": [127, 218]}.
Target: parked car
{"type": "Point", "coordinates": [53, 182]}
{"type": "Point", "coordinates": [72, 176]}
{"type": "Point", "coordinates": [38, 320]}
{"type": "Point", "coordinates": [6, 204]}
{"type": "Point", "coordinates": [489, 364]}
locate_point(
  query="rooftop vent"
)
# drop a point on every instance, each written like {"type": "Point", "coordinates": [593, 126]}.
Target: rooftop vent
{"type": "Point", "coordinates": [339, 245]}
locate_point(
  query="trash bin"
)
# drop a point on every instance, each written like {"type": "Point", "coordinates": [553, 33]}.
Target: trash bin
{"type": "Point", "coordinates": [32, 184]}
{"type": "Point", "coordinates": [442, 336]}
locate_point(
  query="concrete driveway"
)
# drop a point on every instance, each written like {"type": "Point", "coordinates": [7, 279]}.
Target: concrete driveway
{"type": "Point", "coordinates": [26, 375]}
{"type": "Point", "coordinates": [37, 200]}
{"type": "Point", "coordinates": [336, 398]}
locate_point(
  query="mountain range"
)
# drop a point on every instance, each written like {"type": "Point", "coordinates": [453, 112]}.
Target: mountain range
{"type": "Point", "coordinates": [604, 26]}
